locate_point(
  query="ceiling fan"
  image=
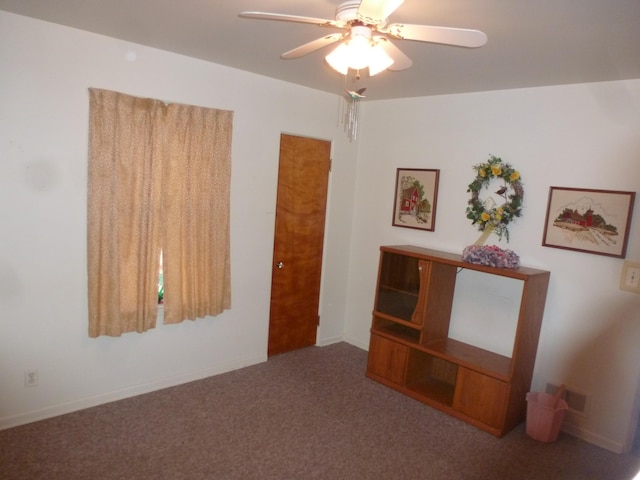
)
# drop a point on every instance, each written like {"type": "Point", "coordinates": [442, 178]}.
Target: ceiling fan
{"type": "Point", "coordinates": [366, 41]}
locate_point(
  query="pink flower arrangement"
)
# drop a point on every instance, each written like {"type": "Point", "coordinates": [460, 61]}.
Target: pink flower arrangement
{"type": "Point", "coordinates": [491, 255]}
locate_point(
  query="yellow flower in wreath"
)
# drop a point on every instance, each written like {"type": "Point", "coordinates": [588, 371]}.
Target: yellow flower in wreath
{"type": "Point", "coordinates": [485, 217]}
{"type": "Point", "coordinates": [482, 172]}
{"type": "Point", "coordinates": [514, 176]}
{"type": "Point", "coordinates": [496, 170]}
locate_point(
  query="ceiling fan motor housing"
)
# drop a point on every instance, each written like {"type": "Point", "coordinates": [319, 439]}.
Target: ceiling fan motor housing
{"type": "Point", "coordinates": [347, 11]}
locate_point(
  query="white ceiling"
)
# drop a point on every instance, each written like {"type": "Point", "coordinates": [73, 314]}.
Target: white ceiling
{"type": "Point", "coordinates": [531, 42]}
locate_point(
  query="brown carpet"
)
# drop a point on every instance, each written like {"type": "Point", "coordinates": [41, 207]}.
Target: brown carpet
{"type": "Point", "coordinates": [302, 415]}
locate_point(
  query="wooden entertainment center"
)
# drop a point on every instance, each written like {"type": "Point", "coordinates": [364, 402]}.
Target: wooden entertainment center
{"type": "Point", "coordinates": [411, 351]}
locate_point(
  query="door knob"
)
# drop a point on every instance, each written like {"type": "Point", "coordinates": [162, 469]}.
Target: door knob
{"type": "Point", "coordinates": [279, 264]}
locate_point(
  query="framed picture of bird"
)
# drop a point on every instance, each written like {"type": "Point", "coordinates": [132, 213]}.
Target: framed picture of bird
{"type": "Point", "coordinates": [591, 221]}
{"type": "Point", "coordinates": [416, 198]}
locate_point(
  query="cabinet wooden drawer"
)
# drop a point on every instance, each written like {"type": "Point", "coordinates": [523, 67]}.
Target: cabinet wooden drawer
{"type": "Point", "coordinates": [387, 359]}
{"type": "Point", "coordinates": [480, 397]}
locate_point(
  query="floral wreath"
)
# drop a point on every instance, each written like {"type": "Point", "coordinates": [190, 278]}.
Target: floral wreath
{"type": "Point", "coordinates": [487, 215]}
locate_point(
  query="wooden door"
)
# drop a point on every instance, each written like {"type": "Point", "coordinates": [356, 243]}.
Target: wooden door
{"type": "Point", "coordinates": [303, 177]}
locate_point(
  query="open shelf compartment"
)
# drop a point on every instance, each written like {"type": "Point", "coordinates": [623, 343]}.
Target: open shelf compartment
{"type": "Point", "coordinates": [475, 358]}
{"type": "Point", "coordinates": [431, 377]}
{"type": "Point", "coordinates": [395, 328]}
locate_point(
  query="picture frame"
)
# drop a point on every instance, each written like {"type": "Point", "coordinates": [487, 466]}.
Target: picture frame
{"type": "Point", "coordinates": [588, 220]}
{"type": "Point", "coordinates": [416, 196]}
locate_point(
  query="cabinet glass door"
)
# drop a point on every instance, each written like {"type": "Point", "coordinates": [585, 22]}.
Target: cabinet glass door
{"type": "Point", "coordinates": [399, 286]}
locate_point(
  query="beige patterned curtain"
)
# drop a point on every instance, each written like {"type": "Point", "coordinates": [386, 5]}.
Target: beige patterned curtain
{"type": "Point", "coordinates": [197, 173]}
{"type": "Point", "coordinates": [158, 179]}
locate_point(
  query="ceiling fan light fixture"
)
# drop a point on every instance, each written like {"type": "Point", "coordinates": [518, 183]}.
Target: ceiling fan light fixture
{"type": "Point", "coordinates": [379, 60]}
{"type": "Point", "coordinates": [338, 59]}
{"type": "Point", "coordinates": [359, 48]}
{"type": "Point", "coordinates": [358, 53]}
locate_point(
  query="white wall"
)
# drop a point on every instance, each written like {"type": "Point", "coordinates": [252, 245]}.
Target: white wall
{"type": "Point", "coordinates": [46, 71]}
{"type": "Point", "coordinates": [572, 136]}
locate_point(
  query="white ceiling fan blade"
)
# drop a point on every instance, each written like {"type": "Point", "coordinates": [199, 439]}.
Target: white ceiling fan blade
{"type": "Point", "coordinates": [400, 60]}
{"type": "Point", "coordinates": [312, 46]}
{"type": "Point", "coordinates": [322, 22]}
{"type": "Point", "coordinates": [375, 12]}
{"type": "Point", "coordinates": [425, 33]}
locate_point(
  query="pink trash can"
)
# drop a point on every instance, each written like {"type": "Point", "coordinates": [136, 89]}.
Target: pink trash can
{"type": "Point", "coordinates": [545, 414]}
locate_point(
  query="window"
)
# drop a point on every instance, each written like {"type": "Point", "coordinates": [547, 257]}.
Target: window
{"type": "Point", "coordinates": [160, 283]}
{"type": "Point", "coordinates": [159, 177]}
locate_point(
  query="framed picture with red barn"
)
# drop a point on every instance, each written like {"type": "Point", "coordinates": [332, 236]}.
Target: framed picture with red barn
{"type": "Point", "coordinates": [587, 220]}
{"type": "Point", "coordinates": [416, 198]}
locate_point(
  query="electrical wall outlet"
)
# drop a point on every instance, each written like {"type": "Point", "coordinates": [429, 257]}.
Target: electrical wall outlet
{"type": "Point", "coordinates": [31, 378]}
{"type": "Point", "coordinates": [630, 277]}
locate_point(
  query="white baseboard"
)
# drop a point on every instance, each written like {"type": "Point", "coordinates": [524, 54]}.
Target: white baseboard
{"type": "Point", "coordinates": [323, 342]}
{"type": "Point", "coordinates": [357, 343]}
{"type": "Point", "coordinates": [593, 438]}
{"type": "Point", "coordinates": [83, 403]}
